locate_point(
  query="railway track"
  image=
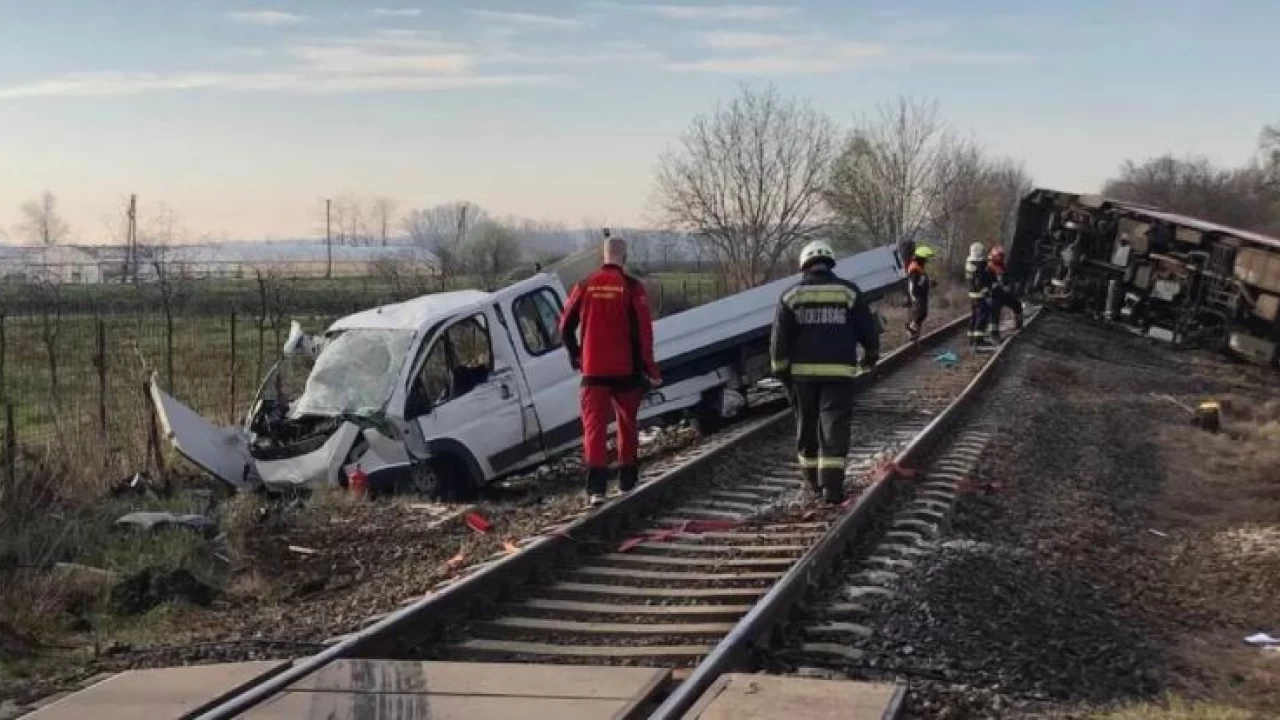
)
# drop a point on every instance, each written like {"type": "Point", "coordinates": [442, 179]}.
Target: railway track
{"type": "Point", "coordinates": [698, 564]}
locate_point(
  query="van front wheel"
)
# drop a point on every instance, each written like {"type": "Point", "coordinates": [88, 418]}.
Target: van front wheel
{"type": "Point", "coordinates": [440, 478]}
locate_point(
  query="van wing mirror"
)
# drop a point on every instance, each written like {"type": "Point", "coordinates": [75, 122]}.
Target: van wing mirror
{"type": "Point", "coordinates": [301, 343]}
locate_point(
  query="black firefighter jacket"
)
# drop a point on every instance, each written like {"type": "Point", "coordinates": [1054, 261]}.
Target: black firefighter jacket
{"type": "Point", "coordinates": [819, 324]}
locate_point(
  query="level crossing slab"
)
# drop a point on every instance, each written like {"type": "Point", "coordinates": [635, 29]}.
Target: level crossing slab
{"type": "Point", "coordinates": [409, 690]}
{"type": "Point", "coordinates": [768, 697]}
{"type": "Point", "coordinates": [157, 692]}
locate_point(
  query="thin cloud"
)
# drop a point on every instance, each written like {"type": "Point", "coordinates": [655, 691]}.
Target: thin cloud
{"type": "Point", "coordinates": [120, 84]}
{"type": "Point", "coordinates": [340, 60]}
{"type": "Point", "coordinates": [720, 12]}
{"type": "Point", "coordinates": [523, 19]}
{"type": "Point", "coordinates": [268, 18]}
{"type": "Point", "coordinates": [814, 55]}
{"type": "Point", "coordinates": [749, 40]}
{"type": "Point", "coordinates": [397, 12]}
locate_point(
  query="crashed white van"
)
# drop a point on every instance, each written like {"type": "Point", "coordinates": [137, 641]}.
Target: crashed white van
{"type": "Point", "coordinates": [445, 392]}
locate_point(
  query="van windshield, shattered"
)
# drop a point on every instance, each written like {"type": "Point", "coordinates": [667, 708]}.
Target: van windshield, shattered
{"type": "Point", "coordinates": [354, 373]}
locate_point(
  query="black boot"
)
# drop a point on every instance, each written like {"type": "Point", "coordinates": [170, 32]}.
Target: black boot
{"type": "Point", "coordinates": [628, 476]}
{"type": "Point", "coordinates": [597, 481]}
{"type": "Point", "coordinates": [833, 486]}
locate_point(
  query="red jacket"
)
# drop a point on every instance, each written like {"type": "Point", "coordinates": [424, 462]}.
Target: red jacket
{"type": "Point", "coordinates": [612, 309]}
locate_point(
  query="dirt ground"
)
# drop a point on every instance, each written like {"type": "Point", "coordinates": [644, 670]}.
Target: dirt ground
{"type": "Point", "coordinates": [1114, 557]}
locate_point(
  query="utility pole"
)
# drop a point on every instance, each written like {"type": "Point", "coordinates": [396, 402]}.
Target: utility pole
{"type": "Point", "coordinates": [328, 237]}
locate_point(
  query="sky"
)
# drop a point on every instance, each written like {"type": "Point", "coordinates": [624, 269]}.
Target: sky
{"type": "Point", "coordinates": [242, 116]}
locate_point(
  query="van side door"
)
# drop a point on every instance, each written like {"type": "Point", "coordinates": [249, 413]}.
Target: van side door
{"type": "Point", "coordinates": [465, 391]}
{"type": "Point", "coordinates": [532, 312]}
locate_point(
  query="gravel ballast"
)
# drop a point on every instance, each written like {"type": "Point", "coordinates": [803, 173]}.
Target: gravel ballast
{"type": "Point", "coordinates": [1057, 590]}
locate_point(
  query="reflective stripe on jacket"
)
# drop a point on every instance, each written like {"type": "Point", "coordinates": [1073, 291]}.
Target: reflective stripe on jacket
{"type": "Point", "coordinates": [819, 324]}
{"type": "Point", "coordinates": [978, 278]}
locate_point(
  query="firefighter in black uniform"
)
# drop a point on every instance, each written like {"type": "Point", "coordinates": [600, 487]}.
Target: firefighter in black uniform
{"type": "Point", "coordinates": [814, 351]}
{"type": "Point", "coordinates": [978, 279]}
{"type": "Point", "coordinates": [918, 291]}
{"type": "Point", "coordinates": [1002, 294]}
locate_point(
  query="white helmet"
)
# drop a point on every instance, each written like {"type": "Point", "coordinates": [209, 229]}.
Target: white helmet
{"type": "Point", "coordinates": [817, 250]}
{"type": "Point", "coordinates": [977, 252]}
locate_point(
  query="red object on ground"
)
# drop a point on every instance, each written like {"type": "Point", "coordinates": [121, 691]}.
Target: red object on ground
{"type": "Point", "coordinates": [600, 403]}
{"type": "Point", "coordinates": [701, 526]}
{"type": "Point", "coordinates": [358, 482]}
{"type": "Point", "coordinates": [476, 522]}
{"type": "Point", "coordinates": [630, 543]}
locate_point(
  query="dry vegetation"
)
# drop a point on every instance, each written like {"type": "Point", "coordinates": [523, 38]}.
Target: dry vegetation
{"type": "Point", "coordinates": [1221, 559]}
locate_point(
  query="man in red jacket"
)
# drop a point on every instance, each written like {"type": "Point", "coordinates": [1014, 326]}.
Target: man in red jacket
{"type": "Point", "coordinates": [615, 358]}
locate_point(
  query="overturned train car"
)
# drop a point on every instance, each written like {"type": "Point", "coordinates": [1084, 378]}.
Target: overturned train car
{"type": "Point", "coordinates": [1167, 276]}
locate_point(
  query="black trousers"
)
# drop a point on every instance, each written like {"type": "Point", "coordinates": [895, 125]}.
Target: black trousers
{"type": "Point", "coordinates": [916, 317]}
{"type": "Point", "coordinates": [824, 413]}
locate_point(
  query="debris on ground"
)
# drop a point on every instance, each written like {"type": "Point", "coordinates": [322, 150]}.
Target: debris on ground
{"type": "Point", "coordinates": [152, 521]}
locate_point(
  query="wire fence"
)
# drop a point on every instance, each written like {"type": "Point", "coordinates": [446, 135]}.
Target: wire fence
{"type": "Point", "coordinates": [73, 368]}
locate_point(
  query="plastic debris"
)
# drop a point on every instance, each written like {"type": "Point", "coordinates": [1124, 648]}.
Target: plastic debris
{"type": "Point", "coordinates": [510, 546]}
{"type": "Point", "coordinates": [948, 358]}
{"type": "Point", "coordinates": [150, 521]}
{"type": "Point", "coordinates": [455, 561]}
{"type": "Point", "coordinates": [1263, 640]}
{"type": "Point", "coordinates": [302, 550]}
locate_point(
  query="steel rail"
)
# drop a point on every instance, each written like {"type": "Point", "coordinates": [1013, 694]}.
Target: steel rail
{"type": "Point", "coordinates": [734, 651]}
{"type": "Point", "coordinates": [416, 623]}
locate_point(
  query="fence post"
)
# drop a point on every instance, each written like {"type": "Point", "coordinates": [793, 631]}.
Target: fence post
{"type": "Point", "coordinates": [10, 449]}
{"type": "Point", "coordinates": [153, 437]}
{"type": "Point", "coordinates": [4, 352]}
{"type": "Point", "coordinates": [100, 360]}
{"type": "Point", "coordinates": [168, 348]}
{"type": "Point", "coordinates": [231, 373]}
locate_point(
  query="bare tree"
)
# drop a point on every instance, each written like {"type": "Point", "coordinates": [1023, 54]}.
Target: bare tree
{"type": "Point", "coordinates": [49, 289]}
{"type": "Point", "coordinates": [893, 172]}
{"type": "Point", "coordinates": [41, 222]}
{"type": "Point", "coordinates": [1243, 197]}
{"type": "Point", "coordinates": [979, 205]}
{"type": "Point", "coordinates": [492, 251]}
{"type": "Point", "coordinates": [1269, 149]}
{"type": "Point", "coordinates": [747, 179]}
{"type": "Point", "coordinates": [349, 221]}
{"type": "Point", "coordinates": [443, 230]}
{"type": "Point", "coordinates": [382, 211]}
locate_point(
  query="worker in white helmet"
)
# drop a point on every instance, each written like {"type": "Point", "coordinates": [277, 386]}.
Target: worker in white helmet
{"type": "Point", "coordinates": [979, 282]}
{"type": "Point", "coordinates": [820, 323]}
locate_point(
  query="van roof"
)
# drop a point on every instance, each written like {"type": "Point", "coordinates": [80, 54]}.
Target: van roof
{"type": "Point", "coordinates": [410, 314]}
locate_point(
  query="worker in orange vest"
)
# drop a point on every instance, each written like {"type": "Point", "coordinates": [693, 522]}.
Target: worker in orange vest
{"type": "Point", "coordinates": [918, 291]}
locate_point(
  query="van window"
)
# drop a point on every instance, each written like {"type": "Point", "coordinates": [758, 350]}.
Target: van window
{"type": "Point", "coordinates": [538, 315]}
{"type": "Point", "coordinates": [460, 360]}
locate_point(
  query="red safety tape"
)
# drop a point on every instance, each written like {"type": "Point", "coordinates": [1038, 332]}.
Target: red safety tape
{"type": "Point", "coordinates": [630, 543]}
{"type": "Point", "coordinates": [476, 522]}
{"type": "Point", "coordinates": [701, 526]}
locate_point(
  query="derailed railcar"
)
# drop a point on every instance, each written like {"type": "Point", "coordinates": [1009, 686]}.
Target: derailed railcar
{"type": "Point", "coordinates": [1167, 276]}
